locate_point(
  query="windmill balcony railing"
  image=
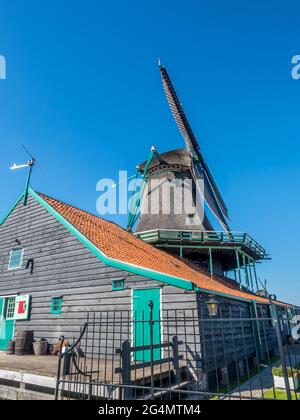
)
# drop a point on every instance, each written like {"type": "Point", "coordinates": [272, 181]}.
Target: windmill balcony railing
{"type": "Point", "coordinates": [205, 238]}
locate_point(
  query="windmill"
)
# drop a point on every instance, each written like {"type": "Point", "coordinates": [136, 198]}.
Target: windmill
{"type": "Point", "coordinates": [187, 164]}
{"type": "Point", "coordinates": [200, 169]}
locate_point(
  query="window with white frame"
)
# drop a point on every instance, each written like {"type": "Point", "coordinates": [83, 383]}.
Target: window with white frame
{"type": "Point", "coordinates": [10, 308]}
{"type": "Point", "coordinates": [15, 258]}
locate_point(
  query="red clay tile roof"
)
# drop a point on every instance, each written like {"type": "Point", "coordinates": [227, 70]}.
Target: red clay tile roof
{"type": "Point", "coordinates": [117, 243]}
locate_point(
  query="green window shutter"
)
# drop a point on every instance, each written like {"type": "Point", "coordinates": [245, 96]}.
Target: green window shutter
{"type": "Point", "coordinates": [118, 284]}
{"type": "Point", "coordinates": [15, 258]}
{"type": "Point", "coordinates": [56, 305]}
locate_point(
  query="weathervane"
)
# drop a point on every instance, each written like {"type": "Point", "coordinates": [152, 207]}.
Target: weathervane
{"type": "Point", "coordinates": [30, 164]}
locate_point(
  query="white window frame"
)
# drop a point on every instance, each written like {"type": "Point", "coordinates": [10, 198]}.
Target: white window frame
{"type": "Point", "coordinates": [10, 256]}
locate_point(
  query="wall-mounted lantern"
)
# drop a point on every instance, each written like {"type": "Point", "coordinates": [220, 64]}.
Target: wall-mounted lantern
{"type": "Point", "coordinates": [212, 306]}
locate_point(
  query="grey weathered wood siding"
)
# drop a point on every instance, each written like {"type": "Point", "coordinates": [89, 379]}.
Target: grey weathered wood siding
{"type": "Point", "coordinates": [64, 267]}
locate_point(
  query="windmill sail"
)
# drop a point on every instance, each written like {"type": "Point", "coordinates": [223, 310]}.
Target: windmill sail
{"type": "Point", "coordinates": [212, 195]}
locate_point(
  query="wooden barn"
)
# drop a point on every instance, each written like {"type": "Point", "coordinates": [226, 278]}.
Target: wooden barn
{"type": "Point", "coordinates": [59, 263]}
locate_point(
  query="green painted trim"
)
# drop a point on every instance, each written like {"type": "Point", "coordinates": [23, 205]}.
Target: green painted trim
{"type": "Point", "coordinates": [11, 209]}
{"type": "Point", "coordinates": [245, 253]}
{"type": "Point", "coordinates": [145, 272]}
{"type": "Point", "coordinates": [27, 183]}
{"type": "Point", "coordinates": [245, 271]}
{"type": "Point", "coordinates": [133, 216]}
{"type": "Point", "coordinates": [56, 301]}
{"type": "Point", "coordinates": [238, 267]}
{"type": "Point", "coordinates": [116, 288]}
{"type": "Point", "coordinates": [273, 312]}
{"type": "Point", "coordinates": [250, 274]}
{"type": "Point", "coordinates": [211, 266]}
{"type": "Point", "coordinates": [255, 275]}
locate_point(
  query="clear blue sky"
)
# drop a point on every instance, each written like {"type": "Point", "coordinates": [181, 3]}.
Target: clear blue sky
{"type": "Point", "coordinates": [83, 92]}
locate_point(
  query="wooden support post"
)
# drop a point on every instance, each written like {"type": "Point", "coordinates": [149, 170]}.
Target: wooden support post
{"type": "Point", "coordinates": [241, 368]}
{"type": "Point", "coordinates": [256, 330]}
{"type": "Point", "coordinates": [281, 351]}
{"type": "Point", "coordinates": [255, 276]}
{"type": "Point", "coordinates": [181, 252]}
{"type": "Point", "coordinates": [60, 356]}
{"type": "Point", "coordinates": [245, 271]}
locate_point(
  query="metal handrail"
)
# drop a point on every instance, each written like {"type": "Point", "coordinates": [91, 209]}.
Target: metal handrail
{"type": "Point", "coordinates": [203, 236]}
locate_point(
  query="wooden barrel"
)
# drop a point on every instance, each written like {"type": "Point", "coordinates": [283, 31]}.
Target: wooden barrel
{"type": "Point", "coordinates": [11, 347]}
{"type": "Point", "coordinates": [40, 348]}
{"type": "Point", "coordinates": [23, 342]}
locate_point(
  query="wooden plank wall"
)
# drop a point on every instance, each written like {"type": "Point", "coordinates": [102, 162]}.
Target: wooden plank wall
{"type": "Point", "coordinates": [64, 267]}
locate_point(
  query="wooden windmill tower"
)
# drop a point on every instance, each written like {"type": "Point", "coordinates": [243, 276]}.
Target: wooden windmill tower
{"type": "Point", "coordinates": [180, 232]}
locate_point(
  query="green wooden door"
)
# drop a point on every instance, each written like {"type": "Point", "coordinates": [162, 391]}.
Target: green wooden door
{"type": "Point", "coordinates": [6, 326]}
{"type": "Point", "coordinates": [142, 328]}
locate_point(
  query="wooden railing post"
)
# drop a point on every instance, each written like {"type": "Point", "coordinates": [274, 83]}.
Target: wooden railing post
{"type": "Point", "coordinates": [176, 359]}
{"type": "Point", "coordinates": [151, 324]}
{"type": "Point", "coordinates": [60, 356]}
{"type": "Point", "coordinates": [126, 369]}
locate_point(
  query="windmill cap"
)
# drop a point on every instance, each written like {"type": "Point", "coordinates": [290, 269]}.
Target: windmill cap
{"type": "Point", "coordinates": [173, 157]}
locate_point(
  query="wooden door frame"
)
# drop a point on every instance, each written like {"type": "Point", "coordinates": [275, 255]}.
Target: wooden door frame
{"type": "Point", "coordinates": [4, 309]}
{"type": "Point", "coordinates": [132, 339]}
